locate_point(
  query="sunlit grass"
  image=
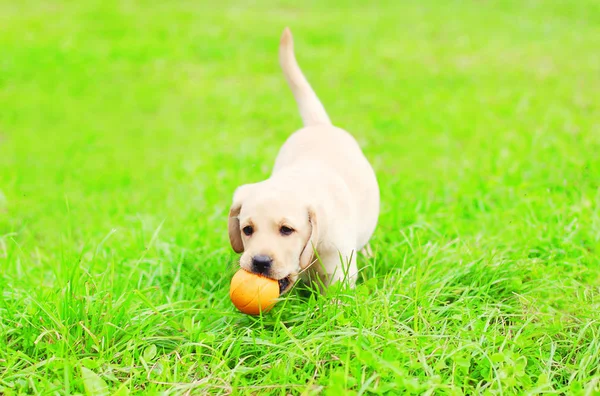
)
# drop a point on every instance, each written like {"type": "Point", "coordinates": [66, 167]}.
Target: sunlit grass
{"type": "Point", "coordinates": [125, 128]}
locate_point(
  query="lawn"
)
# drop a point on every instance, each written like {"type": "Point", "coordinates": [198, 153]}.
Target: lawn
{"type": "Point", "coordinates": [125, 127]}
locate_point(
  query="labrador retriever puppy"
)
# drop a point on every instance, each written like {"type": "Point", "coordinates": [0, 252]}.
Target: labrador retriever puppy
{"type": "Point", "coordinates": [318, 208]}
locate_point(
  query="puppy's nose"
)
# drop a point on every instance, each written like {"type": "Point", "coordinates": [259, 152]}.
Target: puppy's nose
{"type": "Point", "coordinates": [261, 263]}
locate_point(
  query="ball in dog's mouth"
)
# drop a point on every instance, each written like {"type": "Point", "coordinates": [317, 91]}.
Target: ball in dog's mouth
{"type": "Point", "coordinates": [283, 284]}
{"type": "Point", "coordinates": [253, 294]}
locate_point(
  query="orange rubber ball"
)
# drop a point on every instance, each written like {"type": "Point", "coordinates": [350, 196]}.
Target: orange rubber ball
{"type": "Point", "coordinates": [253, 294]}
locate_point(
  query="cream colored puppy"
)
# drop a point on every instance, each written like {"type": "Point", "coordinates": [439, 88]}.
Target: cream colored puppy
{"type": "Point", "coordinates": [320, 205]}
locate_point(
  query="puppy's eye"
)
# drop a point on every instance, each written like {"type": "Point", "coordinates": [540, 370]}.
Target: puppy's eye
{"type": "Point", "coordinates": [248, 230]}
{"type": "Point", "coordinates": [285, 230]}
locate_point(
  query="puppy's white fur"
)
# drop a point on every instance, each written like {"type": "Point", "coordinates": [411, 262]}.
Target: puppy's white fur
{"type": "Point", "coordinates": [322, 187]}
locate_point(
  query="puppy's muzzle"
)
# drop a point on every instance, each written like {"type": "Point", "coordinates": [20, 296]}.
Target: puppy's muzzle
{"type": "Point", "coordinates": [261, 264]}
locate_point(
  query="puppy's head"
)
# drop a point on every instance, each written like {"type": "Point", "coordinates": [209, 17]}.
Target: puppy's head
{"type": "Point", "coordinates": [275, 231]}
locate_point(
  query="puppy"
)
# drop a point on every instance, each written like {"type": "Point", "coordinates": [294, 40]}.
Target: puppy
{"type": "Point", "coordinates": [318, 208]}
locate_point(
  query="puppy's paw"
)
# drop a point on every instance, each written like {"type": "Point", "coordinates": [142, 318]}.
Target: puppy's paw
{"type": "Point", "coordinates": [338, 302]}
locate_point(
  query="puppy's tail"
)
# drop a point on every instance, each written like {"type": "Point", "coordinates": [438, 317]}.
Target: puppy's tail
{"type": "Point", "coordinates": [311, 109]}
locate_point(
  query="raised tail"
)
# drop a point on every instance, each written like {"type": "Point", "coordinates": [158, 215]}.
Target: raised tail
{"type": "Point", "coordinates": [311, 109]}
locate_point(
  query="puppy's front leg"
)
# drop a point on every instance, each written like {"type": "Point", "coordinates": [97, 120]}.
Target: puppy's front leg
{"type": "Point", "coordinates": [340, 266]}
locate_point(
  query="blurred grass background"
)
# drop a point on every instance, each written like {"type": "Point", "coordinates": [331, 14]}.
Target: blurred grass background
{"type": "Point", "coordinates": [125, 127]}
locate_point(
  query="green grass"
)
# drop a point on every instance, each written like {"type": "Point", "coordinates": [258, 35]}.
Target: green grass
{"type": "Point", "coordinates": [125, 127]}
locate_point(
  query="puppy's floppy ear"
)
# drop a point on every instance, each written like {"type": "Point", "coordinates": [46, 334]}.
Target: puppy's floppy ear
{"type": "Point", "coordinates": [306, 257]}
{"type": "Point", "coordinates": [235, 236]}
